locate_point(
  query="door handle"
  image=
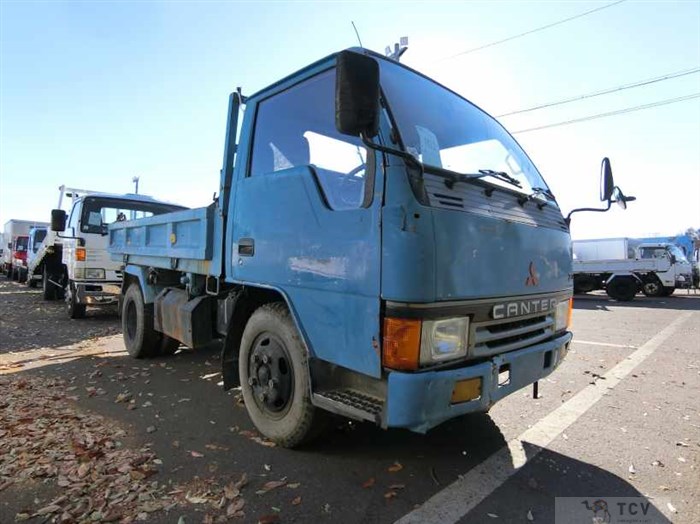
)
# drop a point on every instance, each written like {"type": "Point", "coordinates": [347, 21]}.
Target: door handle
{"type": "Point", "coordinates": [246, 247]}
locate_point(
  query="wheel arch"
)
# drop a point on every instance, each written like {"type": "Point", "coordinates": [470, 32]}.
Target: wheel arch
{"type": "Point", "coordinates": [247, 299]}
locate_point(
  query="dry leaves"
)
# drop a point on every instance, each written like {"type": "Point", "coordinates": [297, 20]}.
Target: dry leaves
{"type": "Point", "coordinates": [44, 439]}
{"type": "Point", "coordinates": [269, 486]}
{"type": "Point", "coordinates": [397, 466]}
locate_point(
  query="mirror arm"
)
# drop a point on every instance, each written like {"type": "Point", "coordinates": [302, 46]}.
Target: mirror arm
{"type": "Point", "coordinates": [81, 240]}
{"type": "Point", "coordinates": [568, 217]}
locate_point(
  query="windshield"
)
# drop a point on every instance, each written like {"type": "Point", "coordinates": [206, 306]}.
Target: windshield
{"type": "Point", "coordinates": [678, 253]}
{"type": "Point", "coordinates": [444, 130]}
{"type": "Point", "coordinates": [21, 243]}
{"type": "Point", "coordinates": [39, 236]}
{"type": "Point", "coordinates": [99, 212]}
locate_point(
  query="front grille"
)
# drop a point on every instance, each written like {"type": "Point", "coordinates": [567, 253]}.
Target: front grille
{"type": "Point", "coordinates": [499, 336]}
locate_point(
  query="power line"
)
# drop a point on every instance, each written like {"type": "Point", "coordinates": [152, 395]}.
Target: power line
{"type": "Point", "coordinates": [611, 113]}
{"type": "Point", "coordinates": [541, 28]}
{"type": "Point", "coordinates": [605, 91]}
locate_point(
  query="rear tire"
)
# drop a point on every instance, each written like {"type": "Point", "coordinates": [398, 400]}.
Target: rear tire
{"type": "Point", "coordinates": [622, 289]}
{"type": "Point", "coordinates": [274, 375]}
{"type": "Point", "coordinates": [140, 338]}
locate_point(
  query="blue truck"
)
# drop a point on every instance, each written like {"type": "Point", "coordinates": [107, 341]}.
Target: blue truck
{"type": "Point", "coordinates": [380, 248]}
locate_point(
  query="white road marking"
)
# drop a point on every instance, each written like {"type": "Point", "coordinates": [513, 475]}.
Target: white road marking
{"type": "Point", "coordinates": [577, 341]}
{"type": "Point", "coordinates": [460, 497]}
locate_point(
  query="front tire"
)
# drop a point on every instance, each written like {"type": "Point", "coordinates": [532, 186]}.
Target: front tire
{"type": "Point", "coordinates": [653, 289]}
{"type": "Point", "coordinates": [274, 374]}
{"type": "Point", "coordinates": [50, 290]}
{"type": "Point", "coordinates": [668, 291]}
{"type": "Point", "coordinates": [75, 310]}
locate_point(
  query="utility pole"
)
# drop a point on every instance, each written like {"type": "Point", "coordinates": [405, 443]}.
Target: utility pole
{"type": "Point", "coordinates": [135, 180]}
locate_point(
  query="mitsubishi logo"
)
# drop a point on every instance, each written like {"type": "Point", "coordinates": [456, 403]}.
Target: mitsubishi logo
{"type": "Point", "coordinates": [533, 279]}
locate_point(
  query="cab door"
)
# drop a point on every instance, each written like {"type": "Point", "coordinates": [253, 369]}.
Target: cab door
{"type": "Point", "coordinates": [306, 219]}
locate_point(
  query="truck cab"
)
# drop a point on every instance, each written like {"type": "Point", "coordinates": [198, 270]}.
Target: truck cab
{"type": "Point", "coordinates": [90, 276]}
{"type": "Point", "coordinates": [679, 274]}
{"type": "Point", "coordinates": [18, 256]}
{"type": "Point", "coordinates": [37, 235]}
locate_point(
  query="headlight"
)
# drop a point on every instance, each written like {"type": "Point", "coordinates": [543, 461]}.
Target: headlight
{"type": "Point", "coordinates": [79, 273]}
{"type": "Point", "coordinates": [94, 274]}
{"type": "Point", "coordinates": [444, 339]}
{"type": "Point", "coordinates": [562, 315]}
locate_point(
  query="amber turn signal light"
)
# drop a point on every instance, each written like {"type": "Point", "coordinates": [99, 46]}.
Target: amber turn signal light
{"type": "Point", "coordinates": [80, 254]}
{"type": "Point", "coordinates": [401, 343]}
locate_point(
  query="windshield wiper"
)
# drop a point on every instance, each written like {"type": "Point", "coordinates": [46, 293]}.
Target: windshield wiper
{"type": "Point", "coordinates": [537, 191]}
{"type": "Point", "coordinates": [452, 178]}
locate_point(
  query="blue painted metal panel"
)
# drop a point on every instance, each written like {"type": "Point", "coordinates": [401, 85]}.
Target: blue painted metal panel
{"type": "Point", "coordinates": [420, 401]}
{"type": "Point", "coordinates": [325, 261]}
{"type": "Point", "coordinates": [183, 240]}
{"type": "Point", "coordinates": [432, 254]}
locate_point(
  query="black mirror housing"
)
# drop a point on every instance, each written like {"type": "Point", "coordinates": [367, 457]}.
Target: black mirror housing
{"type": "Point", "coordinates": [607, 184]}
{"type": "Point", "coordinates": [357, 95]}
{"type": "Point", "coordinates": [58, 220]}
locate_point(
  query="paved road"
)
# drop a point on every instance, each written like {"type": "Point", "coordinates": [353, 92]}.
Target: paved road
{"type": "Point", "coordinates": [620, 418]}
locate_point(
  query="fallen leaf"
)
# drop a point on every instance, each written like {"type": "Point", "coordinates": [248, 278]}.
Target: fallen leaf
{"type": "Point", "coordinates": [682, 444]}
{"type": "Point", "coordinates": [293, 485]}
{"type": "Point", "coordinates": [395, 467]}
{"type": "Point", "coordinates": [196, 454]}
{"type": "Point", "coordinates": [368, 483]}
{"type": "Point", "coordinates": [530, 517]}
{"type": "Point", "coordinates": [151, 429]}
{"type": "Point", "coordinates": [397, 486]}
{"type": "Point", "coordinates": [631, 469]}
{"type": "Point", "coordinates": [231, 491]}
{"type": "Point", "coordinates": [235, 507]}
{"type": "Point", "coordinates": [193, 499]}
{"type": "Point", "coordinates": [123, 397]}
{"type": "Point", "coordinates": [681, 459]}
{"type": "Point", "coordinates": [51, 508]}
{"type": "Point", "coordinates": [269, 519]}
{"type": "Point", "coordinates": [492, 515]}
{"type": "Point", "coordinates": [269, 486]}
{"type": "Point", "coordinates": [671, 507]}
{"type": "Point", "coordinates": [296, 501]}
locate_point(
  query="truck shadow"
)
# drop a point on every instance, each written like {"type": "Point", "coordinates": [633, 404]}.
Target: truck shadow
{"type": "Point", "coordinates": [678, 301]}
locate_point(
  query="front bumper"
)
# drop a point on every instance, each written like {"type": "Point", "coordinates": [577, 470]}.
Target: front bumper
{"type": "Point", "coordinates": [684, 281]}
{"type": "Point", "coordinates": [97, 293]}
{"type": "Point", "coordinates": [420, 401]}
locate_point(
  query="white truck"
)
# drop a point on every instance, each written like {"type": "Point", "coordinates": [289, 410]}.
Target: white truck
{"type": "Point", "coordinates": [37, 235]}
{"type": "Point", "coordinates": [87, 275]}
{"type": "Point", "coordinates": [623, 267]}
{"type": "Point", "coordinates": [15, 238]}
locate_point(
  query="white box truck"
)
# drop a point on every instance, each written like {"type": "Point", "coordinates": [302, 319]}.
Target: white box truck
{"type": "Point", "coordinates": [16, 238]}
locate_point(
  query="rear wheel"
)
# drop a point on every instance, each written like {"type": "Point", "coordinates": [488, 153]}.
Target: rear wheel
{"type": "Point", "coordinates": [75, 310]}
{"type": "Point", "coordinates": [31, 282]}
{"type": "Point", "coordinates": [622, 289]}
{"type": "Point", "coordinates": [275, 380]}
{"type": "Point", "coordinates": [140, 337]}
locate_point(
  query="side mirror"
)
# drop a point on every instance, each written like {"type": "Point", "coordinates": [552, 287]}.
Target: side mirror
{"type": "Point", "coordinates": [357, 95]}
{"type": "Point", "coordinates": [607, 184]}
{"type": "Point", "coordinates": [58, 220]}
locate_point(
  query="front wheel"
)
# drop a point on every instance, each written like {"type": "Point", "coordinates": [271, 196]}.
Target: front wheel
{"type": "Point", "coordinates": [653, 289]}
{"type": "Point", "coordinates": [75, 309]}
{"type": "Point", "coordinates": [275, 382]}
{"type": "Point", "coordinates": [50, 291]}
{"type": "Point", "coordinates": [668, 291]}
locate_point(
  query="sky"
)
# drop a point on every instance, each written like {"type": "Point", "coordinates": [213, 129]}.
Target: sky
{"type": "Point", "coordinates": [95, 93]}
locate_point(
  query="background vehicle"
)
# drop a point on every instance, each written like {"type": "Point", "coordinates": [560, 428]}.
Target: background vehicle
{"type": "Point", "coordinates": [352, 262]}
{"type": "Point", "coordinates": [37, 234]}
{"type": "Point", "coordinates": [89, 276]}
{"type": "Point", "coordinates": [656, 269]}
{"type": "Point", "coordinates": [14, 251]}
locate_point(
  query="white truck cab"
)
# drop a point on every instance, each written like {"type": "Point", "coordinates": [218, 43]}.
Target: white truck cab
{"type": "Point", "coordinates": [90, 276]}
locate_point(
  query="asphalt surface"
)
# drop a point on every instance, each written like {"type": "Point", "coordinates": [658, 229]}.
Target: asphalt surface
{"type": "Point", "coordinates": [642, 438]}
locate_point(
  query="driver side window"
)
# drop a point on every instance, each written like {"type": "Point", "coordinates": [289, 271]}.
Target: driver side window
{"type": "Point", "coordinates": [297, 128]}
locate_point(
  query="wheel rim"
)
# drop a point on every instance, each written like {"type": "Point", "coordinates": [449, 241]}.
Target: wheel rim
{"type": "Point", "coordinates": [652, 288]}
{"type": "Point", "coordinates": [130, 316]}
{"type": "Point", "coordinates": [270, 375]}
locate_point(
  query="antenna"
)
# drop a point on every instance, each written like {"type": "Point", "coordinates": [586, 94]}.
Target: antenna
{"type": "Point", "coordinates": [399, 49]}
{"type": "Point", "coordinates": [357, 33]}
